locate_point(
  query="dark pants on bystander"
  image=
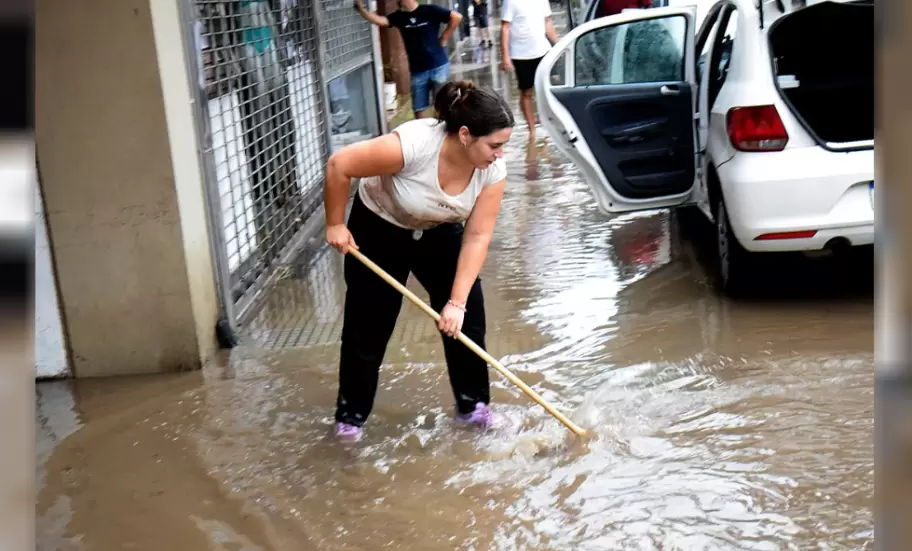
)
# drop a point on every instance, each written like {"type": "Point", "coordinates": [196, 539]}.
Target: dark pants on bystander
{"type": "Point", "coordinates": [372, 306]}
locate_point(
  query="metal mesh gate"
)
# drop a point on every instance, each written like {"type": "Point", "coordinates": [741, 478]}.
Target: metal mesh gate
{"type": "Point", "coordinates": [265, 124]}
{"type": "Point", "coordinates": [346, 38]}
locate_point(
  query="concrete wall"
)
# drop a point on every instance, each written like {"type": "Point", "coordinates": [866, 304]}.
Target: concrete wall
{"type": "Point", "coordinates": [50, 346]}
{"type": "Point", "coordinates": [188, 175]}
{"type": "Point", "coordinates": [123, 188]}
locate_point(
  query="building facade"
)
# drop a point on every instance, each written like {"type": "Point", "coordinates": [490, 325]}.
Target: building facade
{"type": "Point", "coordinates": [181, 164]}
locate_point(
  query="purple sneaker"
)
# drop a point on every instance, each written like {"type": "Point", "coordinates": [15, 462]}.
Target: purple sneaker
{"type": "Point", "coordinates": [482, 416]}
{"type": "Point", "coordinates": [348, 433]}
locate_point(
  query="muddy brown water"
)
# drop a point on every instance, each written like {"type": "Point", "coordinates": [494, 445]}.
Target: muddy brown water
{"type": "Point", "coordinates": [718, 424]}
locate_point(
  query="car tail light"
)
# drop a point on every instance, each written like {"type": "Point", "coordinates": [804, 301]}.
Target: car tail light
{"type": "Point", "coordinates": [757, 128]}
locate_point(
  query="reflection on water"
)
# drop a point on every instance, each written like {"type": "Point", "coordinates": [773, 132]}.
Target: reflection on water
{"type": "Point", "coordinates": [718, 425]}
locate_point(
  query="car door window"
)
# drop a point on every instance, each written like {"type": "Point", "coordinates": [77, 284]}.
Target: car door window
{"type": "Point", "coordinates": [722, 51]}
{"type": "Point", "coordinates": [559, 71]}
{"type": "Point", "coordinates": [635, 52]}
{"type": "Point", "coordinates": [704, 40]}
{"type": "Point", "coordinates": [725, 46]}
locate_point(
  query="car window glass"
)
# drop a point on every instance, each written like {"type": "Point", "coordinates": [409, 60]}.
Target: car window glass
{"type": "Point", "coordinates": [558, 71]}
{"type": "Point", "coordinates": [634, 52]}
{"type": "Point", "coordinates": [718, 65]}
{"type": "Point", "coordinates": [725, 47]}
{"type": "Point", "coordinates": [704, 42]}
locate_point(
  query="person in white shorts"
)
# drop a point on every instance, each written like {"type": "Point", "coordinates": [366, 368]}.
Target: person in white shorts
{"type": "Point", "coordinates": [525, 31]}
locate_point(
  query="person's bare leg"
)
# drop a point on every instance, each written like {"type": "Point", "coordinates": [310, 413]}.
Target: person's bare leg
{"type": "Point", "coordinates": [528, 109]}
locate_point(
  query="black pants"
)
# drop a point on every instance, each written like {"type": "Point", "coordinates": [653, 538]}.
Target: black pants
{"type": "Point", "coordinates": [525, 72]}
{"type": "Point", "coordinates": [466, 25]}
{"type": "Point", "coordinates": [372, 306]}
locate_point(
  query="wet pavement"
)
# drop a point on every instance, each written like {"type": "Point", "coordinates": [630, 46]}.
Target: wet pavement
{"type": "Point", "coordinates": [718, 424]}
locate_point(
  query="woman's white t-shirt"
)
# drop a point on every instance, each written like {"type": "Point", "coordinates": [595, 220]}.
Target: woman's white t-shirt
{"type": "Point", "coordinates": [412, 198]}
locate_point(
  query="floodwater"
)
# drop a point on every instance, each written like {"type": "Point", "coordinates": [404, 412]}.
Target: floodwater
{"type": "Point", "coordinates": [717, 424]}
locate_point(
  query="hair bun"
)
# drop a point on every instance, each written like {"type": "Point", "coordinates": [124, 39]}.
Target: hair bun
{"type": "Point", "coordinates": [463, 88]}
{"type": "Point", "coordinates": [460, 103]}
{"type": "Point", "coordinates": [452, 94]}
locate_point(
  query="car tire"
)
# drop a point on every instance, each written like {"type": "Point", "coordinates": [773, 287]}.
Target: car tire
{"type": "Point", "coordinates": [733, 259]}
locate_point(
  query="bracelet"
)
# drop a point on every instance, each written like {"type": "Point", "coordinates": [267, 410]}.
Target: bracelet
{"type": "Point", "coordinates": [457, 305]}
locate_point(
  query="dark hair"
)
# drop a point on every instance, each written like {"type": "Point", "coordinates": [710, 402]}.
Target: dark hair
{"type": "Point", "coordinates": [460, 103]}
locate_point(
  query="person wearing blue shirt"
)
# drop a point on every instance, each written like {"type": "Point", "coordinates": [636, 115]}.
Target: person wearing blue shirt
{"type": "Point", "coordinates": [425, 45]}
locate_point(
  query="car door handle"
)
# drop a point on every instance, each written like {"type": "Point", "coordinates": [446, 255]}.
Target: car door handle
{"type": "Point", "coordinates": [631, 131]}
{"type": "Point", "coordinates": [670, 90]}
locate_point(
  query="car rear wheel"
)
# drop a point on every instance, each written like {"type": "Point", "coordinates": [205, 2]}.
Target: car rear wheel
{"type": "Point", "coordinates": [733, 259]}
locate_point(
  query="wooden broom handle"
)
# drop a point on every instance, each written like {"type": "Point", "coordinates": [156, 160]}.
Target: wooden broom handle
{"type": "Point", "coordinates": [469, 343]}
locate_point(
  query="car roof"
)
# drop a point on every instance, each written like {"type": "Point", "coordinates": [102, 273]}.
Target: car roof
{"type": "Point", "coordinates": [772, 9]}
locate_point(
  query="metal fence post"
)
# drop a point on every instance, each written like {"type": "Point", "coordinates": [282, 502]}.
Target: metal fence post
{"type": "Point", "coordinates": [323, 80]}
{"type": "Point", "coordinates": [378, 74]}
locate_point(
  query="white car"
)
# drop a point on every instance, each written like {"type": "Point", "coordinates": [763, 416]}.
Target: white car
{"type": "Point", "coordinates": [762, 119]}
